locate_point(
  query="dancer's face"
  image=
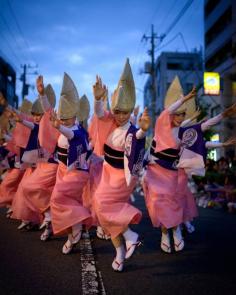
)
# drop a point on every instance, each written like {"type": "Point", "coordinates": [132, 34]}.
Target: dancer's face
{"type": "Point", "coordinates": [37, 118]}
{"type": "Point", "coordinates": [121, 117]}
{"type": "Point", "coordinates": [68, 122]}
{"type": "Point", "coordinates": [178, 119]}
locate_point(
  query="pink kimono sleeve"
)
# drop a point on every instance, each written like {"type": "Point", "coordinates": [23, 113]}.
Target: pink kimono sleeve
{"type": "Point", "coordinates": [48, 135]}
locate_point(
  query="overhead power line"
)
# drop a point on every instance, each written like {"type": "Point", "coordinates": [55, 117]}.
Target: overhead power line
{"type": "Point", "coordinates": [19, 29]}
{"type": "Point", "coordinates": [12, 35]}
{"type": "Point", "coordinates": [172, 39]}
{"type": "Point", "coordinates": [178, 17]}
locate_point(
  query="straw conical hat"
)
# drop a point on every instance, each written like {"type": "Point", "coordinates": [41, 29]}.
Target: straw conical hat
{"type": "Point", "coordinates": [174, 92]}
{"type": "Point", "coordinates": [84, 108]}
{"type": "Point", "coordinates": [190, 107]}
{"type": "Point", "coordinates": [26, 106]}
{"type": "Point", "coordinates": [124, 96]}
{"type": "Point", "coordinates": [37, 107]}
{"type": "Point", "coordinates": [50, 95]}
{"type": "Point", "coordinates": [69, 100]}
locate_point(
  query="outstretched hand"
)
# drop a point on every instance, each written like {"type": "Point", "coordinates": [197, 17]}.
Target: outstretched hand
{"type": "Point", "coordinates": [191, 94]}
{"type": "Point", "coordinates": [16, 117]}
{"type": "Point", "coordinates": [145, 120]}
{"type": "Point", "coordinates": [99, 89]}
{"type": "Point", "coordinates": [230, 111]}
{"type": "Point", "coordinates": [56, 123]}
{"type": "Point", "coordinates": [40, 85]}
{"type": "Point", "coordinates": [230, 141]}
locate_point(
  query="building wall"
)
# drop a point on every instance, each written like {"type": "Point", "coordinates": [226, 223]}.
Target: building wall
{"type": "Point", "coordinates": [188, 67]}
{"type": "Point", "coordinates": [8, 82]}
{"type": "Point", "coordinates": [220, 56]}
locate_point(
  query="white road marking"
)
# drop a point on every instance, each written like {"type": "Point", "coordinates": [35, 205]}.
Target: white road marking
{"type": "Point", "coordinates": [91, 278]}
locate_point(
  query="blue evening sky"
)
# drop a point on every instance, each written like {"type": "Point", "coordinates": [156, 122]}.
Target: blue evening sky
{"type": "Point", "coordinates": [89, 37]}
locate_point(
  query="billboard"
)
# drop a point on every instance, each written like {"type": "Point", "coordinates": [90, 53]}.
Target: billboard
{"type": "Point", "coordinates": [211, 83]}
{"type": "Point", "coordinates": [215, 137]}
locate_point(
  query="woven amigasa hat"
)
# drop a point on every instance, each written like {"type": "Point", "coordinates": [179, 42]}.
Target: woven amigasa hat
{"type": "Point", "coordinates": [124, 97]}
{"type": "Point", "coordinates": [69, 100]}
{"type": "Point", "coordinates": [174, 92]}
{"type": "Point", "coordinates": [84, 109]}
{"type": "Point", "coordinates": [26, 107]}
{"type": "Point", "coordinates": [50, 95]}
{"type": "Point", "coordinates": [37, 107]}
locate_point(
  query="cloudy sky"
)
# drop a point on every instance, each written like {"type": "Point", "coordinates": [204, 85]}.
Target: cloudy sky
{"type": "Point", "coordinates": [89, 37]}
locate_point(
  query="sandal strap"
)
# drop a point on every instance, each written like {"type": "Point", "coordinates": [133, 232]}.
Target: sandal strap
{"type": "Point", "coordinates": [177, 245]}
{"type": "Point", "coordinates": [76, 235]}
{"type": "Point", "coordinates": [167, 246]}
{"type": "Point", "coordinates": [136, 244]}
{"type": "Point", "coordinates": [118, 263]}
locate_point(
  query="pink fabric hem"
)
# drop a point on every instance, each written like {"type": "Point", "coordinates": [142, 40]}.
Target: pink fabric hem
{"type": "Point", "coordinates": [160, 197]}
{"type": "Point", "coordinates": [9, 185]}
{"type": "Point", "coordinates": [66, 201]}
{"type": "Point", "coordinates": [38, 189]}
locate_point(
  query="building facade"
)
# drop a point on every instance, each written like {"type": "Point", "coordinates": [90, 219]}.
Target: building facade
{"type": "Point", "coordinates": [220, 56]}
{"type": "Point", "coordinates": [8, 82]}
{"type": "Point", "coordinates": [187, 66]}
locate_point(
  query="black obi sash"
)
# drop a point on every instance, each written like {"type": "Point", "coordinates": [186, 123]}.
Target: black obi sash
{"type": "Point", "coordinates": [113, 157]}
{"type": "Point", "coordinates": [62, 155]}
{"type": "Point", "coordinates": [167, 158]}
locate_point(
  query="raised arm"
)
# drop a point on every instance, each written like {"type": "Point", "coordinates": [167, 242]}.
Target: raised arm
{"type": "Point", "coordinates": [18, 118]}
{"type": "Point", "coordinates": [227, 113]}
{"type": "Point", "coordinates": [144, 123]}
{"type": "Point", "coordinates": [230, 141]}
{"type": "Point", "coordinates": [172, 108]}
{"type": "Point", "coordinates": [99, 92]}
{"type": "Point", "coordinates": [56, 123]}
{"type": "Point", "coordinates": [43, 98]}
{"type": "Point", "coordinates": [211, 122]}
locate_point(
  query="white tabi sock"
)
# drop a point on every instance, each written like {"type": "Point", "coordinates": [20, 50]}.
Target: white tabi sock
{"type": "Point", "coordinates": [130, 236]}
{"type": "Point", "coordinates": [120, 253]}
{"type": "Point", "coordinates": [47, 216]}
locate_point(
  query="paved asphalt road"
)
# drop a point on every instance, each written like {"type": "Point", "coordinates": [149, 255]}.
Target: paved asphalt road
{"type": "Point", "coordinates": [206, 266]}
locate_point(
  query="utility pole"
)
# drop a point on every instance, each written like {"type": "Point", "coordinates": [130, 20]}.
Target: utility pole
{"type": "Point", "coordinates": [152, 70]}
{"type": "Point", "coordinates": [25, 86]}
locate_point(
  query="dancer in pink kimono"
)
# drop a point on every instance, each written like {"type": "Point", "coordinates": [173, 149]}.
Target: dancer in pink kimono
{"type": "Point", "coordinates": [95, 167]}
{"type": "Point", "coordinates": [38, 188]}
{"type": "Point", "coordinates": [10, 157]}
{"type": "Point", "coordinates": [67, 210]}
{"type": "Point", "coordinates": [123, 147]}
{"type": "Point", "coordinates": [9, 185]}
{"type": "Point", "coordinates": [161, 178]}
{"type": "Point", "coordinates": [26, 136]}
{"type": "Point", "coordinates": [193, 157]}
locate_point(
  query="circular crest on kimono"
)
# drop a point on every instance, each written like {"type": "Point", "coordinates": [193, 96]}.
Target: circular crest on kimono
{"type": "Point", "coordinates": [189, 137]}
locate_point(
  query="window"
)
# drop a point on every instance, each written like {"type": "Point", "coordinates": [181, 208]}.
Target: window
{"type": "Point", "coordinates": [174, 66]}
{"type": "Point", "coordinates": [220, 56]}
{"type": "Point", "coordinates": [220, 25]}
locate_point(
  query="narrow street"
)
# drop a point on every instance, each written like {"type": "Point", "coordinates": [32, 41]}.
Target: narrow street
{"type": "Point", "coordinates": [206, 266]}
